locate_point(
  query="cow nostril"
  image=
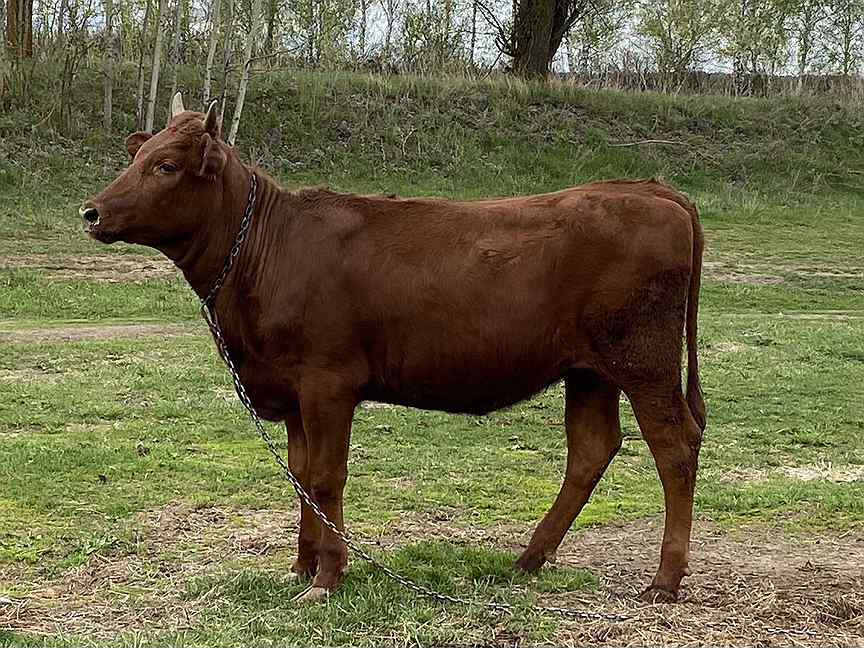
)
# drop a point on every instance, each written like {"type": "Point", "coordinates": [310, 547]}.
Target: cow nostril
{"type": "Point", "coordinates": [90, 214]}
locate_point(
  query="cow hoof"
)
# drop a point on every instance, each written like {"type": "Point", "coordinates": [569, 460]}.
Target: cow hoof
{"type": "Point", "coordinates": [297, 578]}
{"type": "Point", "coordinates": [530, 563]}
{"type": "Point", "coordinates": [312, 595]}
{"type": "Point", "coordinates": [656, 594]}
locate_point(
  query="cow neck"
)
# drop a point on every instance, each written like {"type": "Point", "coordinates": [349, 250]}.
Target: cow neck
{"type": "Point", "coordinates": [204, 259]}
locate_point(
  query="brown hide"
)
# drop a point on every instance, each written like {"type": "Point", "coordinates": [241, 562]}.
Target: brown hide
{"type": "Point", "coordinates": [457, 306]}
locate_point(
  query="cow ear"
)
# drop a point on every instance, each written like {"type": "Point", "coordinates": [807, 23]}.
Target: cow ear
{"type": "Point", "coordinates": [213, 121]}
{"type": "Point", "coordinates": [135, 141]}
{"type": "Point", "coordinates": [213, 157]}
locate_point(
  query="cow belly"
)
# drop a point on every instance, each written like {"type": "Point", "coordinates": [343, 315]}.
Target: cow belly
{"type": "Point", "coordinates": [466, 380]}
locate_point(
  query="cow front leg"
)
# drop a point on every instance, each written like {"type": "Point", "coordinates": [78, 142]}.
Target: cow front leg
{"type": "Point", "coordinates": [298, 460]}
{"type": "Point", "coordinates": [327, 413]}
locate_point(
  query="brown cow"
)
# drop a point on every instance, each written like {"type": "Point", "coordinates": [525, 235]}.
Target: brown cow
{"type": "Point", "coordinates": [455, 306]}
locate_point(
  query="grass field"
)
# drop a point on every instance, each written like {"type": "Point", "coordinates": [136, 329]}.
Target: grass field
{"type": "Point", "coordinates": [139, 507]}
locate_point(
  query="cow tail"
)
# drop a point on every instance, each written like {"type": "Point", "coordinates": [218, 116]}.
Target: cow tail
{"type": "Point", "coordinates": [694, 388]}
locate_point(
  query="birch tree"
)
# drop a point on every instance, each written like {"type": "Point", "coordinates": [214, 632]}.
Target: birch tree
{"type": "Point", "coordinates": [110, 54]}
{"type": "Point", "coordinates": [593, 40]}
{"type": "Point", "coordinates": [272, 14]}
{"type": "Point", "coordinates": [843, 34]}
{"type": "Point", "coordinates": [211, 48]}
{"type": "Point", "coordinates": [154, 73]}
{"type": "Point", "coordinates": [247, 64]}
{"type": "Point", "coordinates": [808, 17]}
{"type": "Point", "coordinates": [175, 49]}
{"type": "Point", "coordinates": [677, 32]}
{"type": "Point", "coordinates": [141, 55]}
{"type": "Point", "coordinates": [3, 62]}
{"type": "Point", "coordinates": [226, 53]}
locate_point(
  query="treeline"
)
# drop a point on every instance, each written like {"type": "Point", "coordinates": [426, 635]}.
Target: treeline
{"type": "Point", "coordinates": [729, 46]}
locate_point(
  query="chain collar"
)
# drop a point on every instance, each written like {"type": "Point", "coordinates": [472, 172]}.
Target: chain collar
{"type": "Point", "coordinates": [245, 223]}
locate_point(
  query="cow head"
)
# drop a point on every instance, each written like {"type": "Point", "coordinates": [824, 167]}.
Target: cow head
{"type": "Point", "coordinates": [174, 185]}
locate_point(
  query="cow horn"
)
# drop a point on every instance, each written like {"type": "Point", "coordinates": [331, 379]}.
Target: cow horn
{"type": "Point", "coordinates": [177, 105]}
{"type": "Point", "coordinates": [211, 121]}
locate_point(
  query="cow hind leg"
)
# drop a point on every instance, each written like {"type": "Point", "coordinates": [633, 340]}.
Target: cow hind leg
{"type": "Point", "coordinates": [593, 439]}
{"type": "Point", "coordinates": [674, 439]}
{"type": "Point", "coordinates": [310, 530]}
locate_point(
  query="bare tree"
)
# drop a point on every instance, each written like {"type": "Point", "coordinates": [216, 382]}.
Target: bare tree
{"type": "Point", "coordinates": [141, 55]}
{"type": "Point", "coordinates": [110, 54]}
{"type": "Point", "coordinates": [211, 49]}
{"type": "Point", "coordinates": [175, 49]}
{"type": "Point", "coordinates": [247, 64]}
{"type": "Point", "coordinates": [154, 72]}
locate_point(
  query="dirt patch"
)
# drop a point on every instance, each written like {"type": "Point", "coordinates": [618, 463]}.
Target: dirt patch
{"type": "Point", "coordinates": [376, 405]}
{"type": "Point", "coordinates": [825, 472]}
{"type": "Point", "coordinates": [719, 271]}
{"type": "Point", "coordinates": [29, 376]}
{"type": "Point", "coordinates": [806, 472]}
{"type": "Point", "coordinates": [749, 587]}
{"type": "Point", "coordinates": [76, 332]}
{"type": "Point", "coordinates": [112, 268]}
{"type": "Point", "coordinates": [733, 270]}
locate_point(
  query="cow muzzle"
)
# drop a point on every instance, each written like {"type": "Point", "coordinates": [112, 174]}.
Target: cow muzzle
{"type": "Point", "coordinates": [94, 224]}
{"type": "Point", "coordinates": [90, 216]}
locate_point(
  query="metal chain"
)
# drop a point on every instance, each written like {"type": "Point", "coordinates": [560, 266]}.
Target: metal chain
{"type": "Point", "coordinates": [208, 312]}
{"type": "Point", "coordinates": [242, 232]}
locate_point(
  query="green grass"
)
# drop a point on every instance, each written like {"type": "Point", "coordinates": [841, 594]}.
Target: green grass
{"type": "Point", "coordinates": [131, 453]}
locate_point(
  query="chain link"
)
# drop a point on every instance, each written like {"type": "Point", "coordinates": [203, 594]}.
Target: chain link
{"type": "Point", "coordinates": [208, 312]}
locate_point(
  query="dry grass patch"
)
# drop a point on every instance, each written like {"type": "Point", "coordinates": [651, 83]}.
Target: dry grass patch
{"type": "Point", "coordinates": [109, 268]}
{"type": "Point", "coordinates": [101, 332]}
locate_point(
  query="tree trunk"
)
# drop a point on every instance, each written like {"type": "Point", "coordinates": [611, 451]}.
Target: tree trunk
{"type": "Point", "coordinates": [310, 37]}
{"type": "Point", "coordinates": [141, 55]}
{"type": "Point", "coordinates": [19, 29]}
{"type": "Point", "coordinates": [110, 53]}
{"type": "Point", "coordinates": [388, 34]}
{"type": "Point", "coordinates": [154, 74]}
{"type": "Point", "coordinates": [2, 49]}
{"type": "Point", "coordinates": [27, 29]}
{"type": "Point", "coordinates": [61, 20]}
{"type": "Point", "coordinates": [473, 31]}
{"type": "Point", "coordinates": [532, 33]}
{"type": "Point", "coordinates": [211, 50]}
{"type": "Point", "coordinates": [226, 54]}
{"type": "Point", "coordinates": [272, 12]}
{"type": "Point", "coordinates": [247, 64]}
{"type": "Point", "coordinates": [175, 49]}
{"type": "Point", "coordinates": [364, 10]}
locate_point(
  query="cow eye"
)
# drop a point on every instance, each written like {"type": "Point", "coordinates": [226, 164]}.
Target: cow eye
{"type": "Point", "coordinates": [166, 167]}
